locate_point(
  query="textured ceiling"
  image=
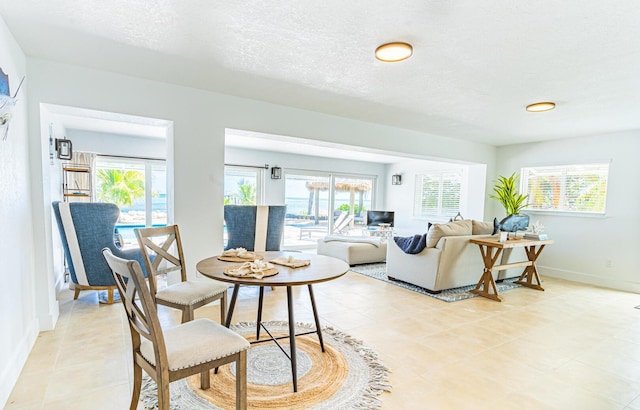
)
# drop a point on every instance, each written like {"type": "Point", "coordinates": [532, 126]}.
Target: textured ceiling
{"type": "Point", "coordinates": [476, 64]}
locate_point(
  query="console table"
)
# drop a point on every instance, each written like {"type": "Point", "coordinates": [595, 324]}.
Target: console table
{"type": "Point", "coordinates": [491, 249]}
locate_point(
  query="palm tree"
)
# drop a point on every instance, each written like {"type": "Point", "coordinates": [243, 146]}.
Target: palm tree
{"type": "Point", "coordinates": [247, 194]}
{"type": "Point", "coordinates": [121, 187]}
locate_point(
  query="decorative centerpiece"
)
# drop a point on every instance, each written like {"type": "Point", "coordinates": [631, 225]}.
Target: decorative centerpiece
{"type": "Point", "coordinates": [238, 255]}
{"type": "Point", "coordinates": [256, 269]}
{"type": "Point", "coordinates": [507, 194]}
{"type": "Point", "coordinates": [536, 232]}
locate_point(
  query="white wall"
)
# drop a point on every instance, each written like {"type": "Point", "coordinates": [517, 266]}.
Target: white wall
{"type": "Point", "coordinates": [583, 244]}
{"type": "Point", "coordinates": [53, 171]}
{"type": "Point", "coordinates": [18, 320]}
{"type": "Point", "coordinates": [274, 188]}
{"type": "Point", "coordinates": [117, 144]}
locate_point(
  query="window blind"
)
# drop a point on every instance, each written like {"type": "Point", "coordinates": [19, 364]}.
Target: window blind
{"type": "Point", "coordinates": [566, 188]}
{"type": "Point", "coordinates": [437, 193]}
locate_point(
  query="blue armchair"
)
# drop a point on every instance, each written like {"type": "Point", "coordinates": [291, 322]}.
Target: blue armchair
{"type": "Point", "coordinates": [255, 228]}
{"type": "Point", "coordinates": [85, 229]}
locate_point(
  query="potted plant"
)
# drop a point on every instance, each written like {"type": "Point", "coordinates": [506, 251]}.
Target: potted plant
{"type": "Point", "coordinates": [506, 192]}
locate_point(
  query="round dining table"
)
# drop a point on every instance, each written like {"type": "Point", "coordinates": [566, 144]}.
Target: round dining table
{"type": "Point", "coordinates": [320, 269]}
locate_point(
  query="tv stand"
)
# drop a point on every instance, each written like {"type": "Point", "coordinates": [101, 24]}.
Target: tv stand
{"type": "Point", "coordinates": [384, 231]}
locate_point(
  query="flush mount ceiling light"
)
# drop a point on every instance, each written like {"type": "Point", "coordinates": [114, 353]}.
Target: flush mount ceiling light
{"type": "Point", "coordinates": [392, 52]}
{"type": "Point", "coordinates": [541, 106]}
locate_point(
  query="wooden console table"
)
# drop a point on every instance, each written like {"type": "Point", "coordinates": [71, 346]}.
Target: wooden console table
{"type": "Point", "coordinates": [491, 249]}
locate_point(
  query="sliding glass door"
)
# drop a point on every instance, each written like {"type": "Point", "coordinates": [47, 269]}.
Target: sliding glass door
{"type": "Point", "coordinates": [307, 200]}
{"type": "Point", "coordinates": [322, 203]}
{"type": "Point", "coordinates": [351, 200]}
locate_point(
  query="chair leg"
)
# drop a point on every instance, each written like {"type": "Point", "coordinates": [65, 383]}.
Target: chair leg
{"type": "Point", "coordinates": [137, 385]}
{"type": "Point", "coordinates": [241, 381]}
{"type": "Point", "coordinates": [223, 308]}
{"type": "Point", "coordinates": [187, 314]}
{"type": "Point", "coordinates": [110, 296]}
{"type": "Point", "coordinates": [205, 380]}
{"type": "Point", "coordinates": [163, 395]}
{"type": "Point", "coordinates": [76, 293]}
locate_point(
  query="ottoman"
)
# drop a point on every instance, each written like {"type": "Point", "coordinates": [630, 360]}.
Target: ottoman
{"type": "Point", "coordinates": [353, 250]}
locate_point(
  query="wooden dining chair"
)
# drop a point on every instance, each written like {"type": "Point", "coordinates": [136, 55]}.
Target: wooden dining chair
{"type": "Point", "coordinates": [175, 353]}
{"type": "Point", "coordinates": [162, 253]}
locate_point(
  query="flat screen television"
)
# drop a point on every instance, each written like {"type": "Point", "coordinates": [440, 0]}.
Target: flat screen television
{"type": "Point", "coordinates": [375, 218]}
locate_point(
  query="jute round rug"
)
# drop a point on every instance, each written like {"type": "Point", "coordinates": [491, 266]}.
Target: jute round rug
{"type": "Point", "coordinates": [347, 375]}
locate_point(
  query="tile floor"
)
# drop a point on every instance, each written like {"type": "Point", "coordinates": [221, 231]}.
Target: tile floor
{"type": "Point", "coordinates": [571, 347]}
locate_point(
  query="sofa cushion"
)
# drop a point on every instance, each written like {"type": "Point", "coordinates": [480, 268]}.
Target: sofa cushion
{"type": "Point", "coordinates": [481, 228]}
{"type": "Point", "coordinates": [455, 228]}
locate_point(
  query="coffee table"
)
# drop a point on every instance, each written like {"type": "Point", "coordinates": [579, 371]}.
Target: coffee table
{"type": "Point", "coordinates": [321, 269]}
{"type": "Point", "coordinates": [490, 249]}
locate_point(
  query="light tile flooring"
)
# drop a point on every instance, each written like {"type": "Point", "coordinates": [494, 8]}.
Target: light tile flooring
{"type": "Point", "coordinates": [570, 347]}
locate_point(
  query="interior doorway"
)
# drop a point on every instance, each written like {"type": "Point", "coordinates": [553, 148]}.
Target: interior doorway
{"type": "Point", "coordinates": [121, 141]}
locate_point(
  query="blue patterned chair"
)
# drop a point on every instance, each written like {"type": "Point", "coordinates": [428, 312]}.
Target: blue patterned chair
{"type": "Point", "coordinates": [255, 228]}
{"type": "Point", "coordinates": [85, 229]}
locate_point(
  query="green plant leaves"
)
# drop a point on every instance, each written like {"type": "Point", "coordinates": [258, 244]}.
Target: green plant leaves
{"type": "Point", "coordinates": [506, 192]}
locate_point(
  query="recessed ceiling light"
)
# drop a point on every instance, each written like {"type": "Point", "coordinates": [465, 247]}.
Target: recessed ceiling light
{"type": "Point", "coordinates": [392, 52]}
{"type": "Point", "coordinates": [541, 106]}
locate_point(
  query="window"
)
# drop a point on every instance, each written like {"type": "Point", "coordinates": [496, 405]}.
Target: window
{"type": "Point", "coordinates": [566, 188]}
{"type": "Point", "coordinates": [138, 187]}
{"type": "Point", "coordinates": [242, 185]}
{"type": "Point", "coordinates": [437, 194]}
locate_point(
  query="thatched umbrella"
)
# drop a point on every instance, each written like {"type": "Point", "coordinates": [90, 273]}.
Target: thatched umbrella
{"type": "Point", "coordinates": [315, 187]}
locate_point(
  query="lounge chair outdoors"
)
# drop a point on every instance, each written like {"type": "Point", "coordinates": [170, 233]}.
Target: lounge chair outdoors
{"type": "Point", "coordinates": [340, 226]}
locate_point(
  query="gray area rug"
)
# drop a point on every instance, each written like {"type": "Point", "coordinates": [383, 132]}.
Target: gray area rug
{"type": "Point", "coordinates": [379, 271]}
{"type": "Point", "coordinates": [366, 378]}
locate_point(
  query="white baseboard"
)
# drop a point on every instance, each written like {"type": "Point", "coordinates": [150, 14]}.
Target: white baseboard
{"type": "Point", "coordinates": [590, 279]}
{"type": "Point", "coordinates": [17, 359]}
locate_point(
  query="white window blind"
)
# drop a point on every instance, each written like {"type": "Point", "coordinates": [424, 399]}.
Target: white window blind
{"type": "Point", "coordinates": [437, 193]}
{"type": "Point", "coordinates": [566, 188]}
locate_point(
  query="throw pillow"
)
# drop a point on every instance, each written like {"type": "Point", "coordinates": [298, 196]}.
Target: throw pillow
{"type": "Point", "coordinates": [455, 228]}
{"type": "Point", "coordinates": [411, 244]}
{"type": "Point", "coordinates": [481, 228]}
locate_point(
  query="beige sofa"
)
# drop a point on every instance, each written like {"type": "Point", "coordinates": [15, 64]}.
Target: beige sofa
{"type": "Point", "coordinates": [451, 263]}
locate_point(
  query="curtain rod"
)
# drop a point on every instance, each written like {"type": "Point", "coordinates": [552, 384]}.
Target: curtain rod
{"type": "Point", "coordinates": [265, 166]}
{"type": "Point", "coordinates": [130, 157]}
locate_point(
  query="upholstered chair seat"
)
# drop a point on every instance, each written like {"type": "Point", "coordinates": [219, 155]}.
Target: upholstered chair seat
{"type": "Point", "coordinates": [190, 344]}
{"type": "Point", "coordinates": [190, 293]}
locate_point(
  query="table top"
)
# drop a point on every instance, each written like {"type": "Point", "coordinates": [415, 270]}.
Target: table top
{"type": "Point", "coordinates": [511, 243]}
{"type": "Point", "coordinates": [321, 269]}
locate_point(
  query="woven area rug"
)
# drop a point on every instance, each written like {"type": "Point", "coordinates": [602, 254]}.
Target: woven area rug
{"type": "Point", "coordinates": [347, 375]}
{"type": "Point", "coordinates": [379, 271]}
